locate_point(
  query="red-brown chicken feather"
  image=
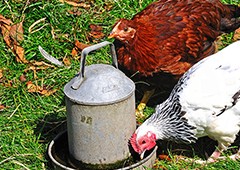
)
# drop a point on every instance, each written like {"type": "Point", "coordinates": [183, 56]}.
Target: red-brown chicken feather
{"type": "Point", "coordinates": [169, 36]}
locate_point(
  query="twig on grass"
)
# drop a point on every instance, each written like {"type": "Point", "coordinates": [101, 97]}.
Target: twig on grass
{"type": "Point", "coordinates": [25, 7]}
{"type": "Point", "coordinates": [7, 159]}
{"type": "Point", "coordinates": [9, 117]}
{"type": "Point", "coordinates": [13, 157]}
{"type": "Point", "coordinates": [30, 29]}
{"type": "Point", "coordinates": [19, 163]}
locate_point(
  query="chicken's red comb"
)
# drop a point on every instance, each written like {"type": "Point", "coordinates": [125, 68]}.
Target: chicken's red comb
{"type": "Point", "coordinates": [133, 142]}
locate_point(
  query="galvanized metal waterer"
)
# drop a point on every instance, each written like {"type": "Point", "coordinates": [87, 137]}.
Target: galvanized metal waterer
{"type": "Point", "coordinates": [100, 105]}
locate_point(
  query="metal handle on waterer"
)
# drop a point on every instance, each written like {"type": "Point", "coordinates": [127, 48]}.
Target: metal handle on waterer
{"type": "Point", "coordinates": [79, 79]}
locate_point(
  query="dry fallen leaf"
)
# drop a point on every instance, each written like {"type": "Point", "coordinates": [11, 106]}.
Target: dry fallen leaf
{"type": "Point", "coordinates": [66, 61]}
{"type": "Point", "coordinates": [160, 167]}
{"type": "Point", "coordinates": [23, 78]}
{"type": "Point", "coordinates": [41, 63]}
{"type": "Point", "coordinates": [2, 107]}
{"type": "Point", "coordinates": [96, 32]}
{"type": "Point", "coordinates": [74, 52]}
{"type": "Point", "coordinates": [8, 83]}
{"type": "Point", "coordinates": [36, 66]}
{"type": "Point", "coordinates": [236, 35]}
{"type": "Point", "coordinates": [108, 6]}
{"type": "Point", "coordinates": [1, 73]}
{"type": "Point", "coordinates": [75, 11]}
{"type": "Point", "coordinates": [164, 157]}
{"type": "Point", "coordinates": [13, 36]}
{"type": "Point", "coordinates": [33, 88]}
{"type": "Point", "coordinates": [218, 43]}
{"type": "Point", "coordinates": [96, 28]}
{"type": "Point", "coordinates": [49, 92]}
{"type": "Point", "coordinates": [75, 3]}
{"type": "Point", "coordinates": [79, 46]}
{"type": "Point", "coordinates": [16, 32]}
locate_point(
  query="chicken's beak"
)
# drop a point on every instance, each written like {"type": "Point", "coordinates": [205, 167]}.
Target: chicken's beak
{"type": "Point", "coordinates": [112, 35]}
{"type": "Point", "coordinates": [142, 154]}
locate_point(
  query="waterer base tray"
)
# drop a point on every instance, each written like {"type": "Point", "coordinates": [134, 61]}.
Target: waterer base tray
{"type": "Point", "coordinates": [59, 155]}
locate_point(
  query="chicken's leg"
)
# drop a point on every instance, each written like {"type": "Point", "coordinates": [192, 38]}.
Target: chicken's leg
{"type": "Point", "coordinates": [213, 158]}
{"type": "Point", "coordinates": [235, 156]}
{"type": "Point", "coordinates": [215, 155]}
{"type": "Point", "coordinates": [142, 104]}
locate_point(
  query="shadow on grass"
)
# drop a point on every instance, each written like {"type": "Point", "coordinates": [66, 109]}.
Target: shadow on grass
{"type": "Point", "coordinates": [48, 128]}
{"type": "Point", "coordinates": [203, 148]}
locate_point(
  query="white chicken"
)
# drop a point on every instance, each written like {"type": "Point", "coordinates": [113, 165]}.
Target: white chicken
{"type": "Point", "coordinates": [205, 102]}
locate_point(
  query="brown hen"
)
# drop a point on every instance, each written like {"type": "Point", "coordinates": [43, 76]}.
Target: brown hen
{"type": "Point", "coordinates": [164, 40]}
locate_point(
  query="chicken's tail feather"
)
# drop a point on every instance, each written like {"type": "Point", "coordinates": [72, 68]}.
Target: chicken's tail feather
{"type": "Point", "coordinates": [231, 24]}
{"type": "Point", "coordinates": [235, 10]}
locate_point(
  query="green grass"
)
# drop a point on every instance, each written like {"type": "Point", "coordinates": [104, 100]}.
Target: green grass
{"type": "Point", "coordinates": [30, 120]}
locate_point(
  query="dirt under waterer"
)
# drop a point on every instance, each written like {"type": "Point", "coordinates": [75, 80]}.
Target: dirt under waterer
{"type": "Point", "coordinates": [100, 104]}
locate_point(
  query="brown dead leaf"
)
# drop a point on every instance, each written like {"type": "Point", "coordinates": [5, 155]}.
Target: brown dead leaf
{"type": "Point", "coordinates": [236, 35]}
{"type": "Point", "coordinates": [66, 61]}
{"type": "Point", "coordinates": [74, 52]}
{"type": "Point", "coordinates": [218, 43]}
{"type": "Point", "coordinates": [5, 25]}
{"type": "Point", "coordinates": [164, 157]}
{"type": "Point", "coordinates": [48, 92]}
{"type": "Point", "coordinates": [76, 3]}
{"type": "Point", "coordinates": [75, 11]}
{"type": "Point", "coordinates": [79, 46]}
{"type": "Point", "coordinates": [96, 32]}
{"type": "Point", "coordinates": [13, 36]}
{"type": "Point", "coordinates": [16, 32]}
{"type": "Point", "coordinates": [108, 6]}
{"type": "Point", "coordinates": [1, 73]}
{"type": "Point", "coordinates": [8, 83]}
{"type": "Point", "coordinates": [23, 78]}
{"type": "Point", "coordinates": [36, 66]}
{"type": "Point", "coordinates": [159, 167]}
{"type": "Point", "coordinates": [2, 107]}
{"type": "Point", "coordinates": [4, 20]}
{"type": "Point", "coordinates": [20, 54]}
{"type": "Point", "coordinates": [96, 28]}
{"type": "Point", "coordinates": [33, 88]}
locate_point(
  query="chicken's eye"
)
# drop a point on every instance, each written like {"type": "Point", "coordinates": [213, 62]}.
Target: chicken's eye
{"type": "Point", "coordinates": [125, 29]}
